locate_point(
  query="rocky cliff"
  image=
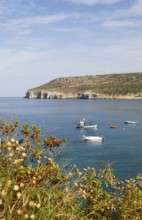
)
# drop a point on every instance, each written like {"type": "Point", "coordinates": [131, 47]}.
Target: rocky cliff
{"type": "Point", "coordinates": [113, 86]}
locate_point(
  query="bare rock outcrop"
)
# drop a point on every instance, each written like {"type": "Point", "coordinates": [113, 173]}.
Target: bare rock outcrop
{"type": "Point", "coordinates": [39, 94]}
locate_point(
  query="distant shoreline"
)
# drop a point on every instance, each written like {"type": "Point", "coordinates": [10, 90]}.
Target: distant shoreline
{"type": "Point", "coordinates": [43, 94]}
{"type": "Point", "coordinates": [111, 86]}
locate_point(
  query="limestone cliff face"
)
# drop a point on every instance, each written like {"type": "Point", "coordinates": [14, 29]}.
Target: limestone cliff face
{"type": "Point", "coordinates": [42, 94]}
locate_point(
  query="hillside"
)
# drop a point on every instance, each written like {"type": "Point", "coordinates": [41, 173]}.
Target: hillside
{"type": "Point", "coordinates": [128, 85]}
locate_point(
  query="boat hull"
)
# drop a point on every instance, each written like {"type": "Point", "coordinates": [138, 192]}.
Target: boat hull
{"type": "Point", "coordinates": [86, 126]}
{"type": "Point", "coordinates": [130, 122]}
{"type": "Point", "coordinates": [113, 126]}
{"type": "Point", "coordinates": [83, 124]}
{"type": "Point", "coordinates": [92, 138]}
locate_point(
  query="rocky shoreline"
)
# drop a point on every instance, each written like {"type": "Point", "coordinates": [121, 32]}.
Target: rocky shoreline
{"type": "Point", "coordinates": [43, 94]}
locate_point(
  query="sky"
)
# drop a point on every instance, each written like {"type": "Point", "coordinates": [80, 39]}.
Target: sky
{"type": "Point", "coordinates": [41, 40]}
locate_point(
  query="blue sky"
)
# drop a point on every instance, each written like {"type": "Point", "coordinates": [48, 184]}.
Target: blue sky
{"type": "Point", "coordinates": [41, 40]}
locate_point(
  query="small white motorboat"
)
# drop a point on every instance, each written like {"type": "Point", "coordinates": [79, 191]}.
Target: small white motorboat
{"type": "Point", "coordinates": [84, 124]}
{"type": "Point", "coordinates": [131, 122]}
{"type": "Point", "coordinates": [92, 138]}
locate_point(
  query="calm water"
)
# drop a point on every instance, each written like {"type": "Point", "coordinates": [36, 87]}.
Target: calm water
{"type": "Point", "coordinates": [121, 146]}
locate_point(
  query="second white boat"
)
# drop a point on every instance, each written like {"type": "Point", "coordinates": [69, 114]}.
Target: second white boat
{"type": "Point", "coordinates": [92, 138]}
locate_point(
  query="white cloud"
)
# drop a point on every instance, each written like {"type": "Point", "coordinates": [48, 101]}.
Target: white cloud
{"type": "Point", "coordinates": [8, 7]}
{"type": "Point", "coordinates": [123, 23]}
{"type": "Point", "coordinates": [11, 58]}
{"type": "Point", "coordinates": [134, 10]}
{"type": "Point", "coordinates": [112, 57]}
{"type": "Point", "coordinates": [26, 23]}
{"type": "Point", "coordinates": [25, 32]}
{"type": "Point", "coordinates": [130, 17]}
{"type": "Point", "coordinates": [94, 2]}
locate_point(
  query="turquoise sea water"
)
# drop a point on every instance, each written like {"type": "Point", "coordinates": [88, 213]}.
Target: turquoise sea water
{"type": "Point", "coordinates": [121, 146]}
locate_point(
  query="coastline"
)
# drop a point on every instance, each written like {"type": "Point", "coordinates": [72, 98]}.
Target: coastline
{"type": "Point", "coordinates": [43, 94]}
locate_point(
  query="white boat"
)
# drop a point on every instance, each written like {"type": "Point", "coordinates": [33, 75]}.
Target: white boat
{"type": "Point", "coordinates": [90, 126]}
{"type": "Point", "coordinates": [83, 124]}
{"type": "Point", "coordinates": [92, 138]}
{"type": "Point", "coordinates": [131, 122]}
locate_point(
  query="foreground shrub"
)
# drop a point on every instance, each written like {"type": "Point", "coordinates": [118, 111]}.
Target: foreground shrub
{"type": "Point", "coordinates": [33, 186]}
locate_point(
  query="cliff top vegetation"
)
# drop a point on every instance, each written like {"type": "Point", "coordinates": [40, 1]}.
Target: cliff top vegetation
{"type": "Point", "coordinates": [107, 84]}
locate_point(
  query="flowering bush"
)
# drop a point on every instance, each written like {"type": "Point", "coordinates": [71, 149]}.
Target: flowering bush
{"type": "Point", "coordinates": [33, 186]}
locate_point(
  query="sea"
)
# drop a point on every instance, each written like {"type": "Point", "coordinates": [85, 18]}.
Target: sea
{"type": "Point", "coordinates": [121, 147]}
